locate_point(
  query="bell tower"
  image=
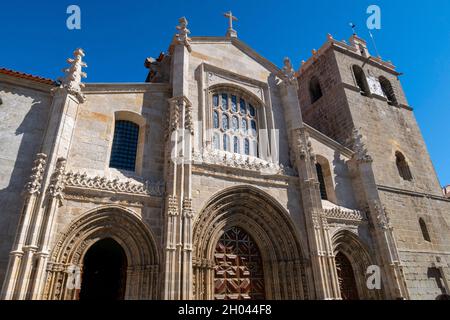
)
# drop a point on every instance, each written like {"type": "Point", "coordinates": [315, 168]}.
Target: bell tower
{"type": "Point", "coordinates": [350, 95]}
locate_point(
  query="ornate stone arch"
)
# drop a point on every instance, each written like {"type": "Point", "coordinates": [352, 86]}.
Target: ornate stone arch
{"type": "Point", "coordinates": [348, 243]}
{"type": "Point", "coordinates": [268, 224]}
{"type": "Point", "coordinates": [127, 229]}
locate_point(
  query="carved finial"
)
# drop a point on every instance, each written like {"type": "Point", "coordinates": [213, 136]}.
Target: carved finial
{"type": "Point", "coordinates": [57, 183]}
{"type": "Point", "coordinates": [183, 33]}
{"type": "Point", "coordinates": [357, 144]}
{"type": "Point", "coordinates": [288, 71]}
{"type": "Point", "coordinates": [34, 185]}
{"type": "Point", "coordinates": [329, 37]}
{"type": "Point", "coordinates": [73, 75]}
{"type": "Point", "coordinates": [231, 33]}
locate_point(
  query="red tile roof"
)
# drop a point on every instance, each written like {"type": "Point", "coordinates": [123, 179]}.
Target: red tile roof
{"type": "Point", "coordinates": [26, 76]}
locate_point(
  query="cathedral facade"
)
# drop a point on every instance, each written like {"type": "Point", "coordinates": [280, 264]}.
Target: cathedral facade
{"type": "Point", "coordinates": [221, 176]}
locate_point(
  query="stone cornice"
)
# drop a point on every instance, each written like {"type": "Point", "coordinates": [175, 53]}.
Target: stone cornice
{"type": "Point", "coordinates": [412, 193]}
{"type": "Point", "coordinates": [230, 160]}
{"type": "Point", "coordinates": [78, 181]}
{"type": "Point", "coordinates": [341, 214]}
{"type": "Point", "coordinates": [139, 87]}
{"type": "Point", "coordinates": [26, 83]}
{"type": "Point", "coordinates": [345, 48]}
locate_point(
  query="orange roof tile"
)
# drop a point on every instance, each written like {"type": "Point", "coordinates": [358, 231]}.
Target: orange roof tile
{"type": "Point", "coordinates": [26, 76]}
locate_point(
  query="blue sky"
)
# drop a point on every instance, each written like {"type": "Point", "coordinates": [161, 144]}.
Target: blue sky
{"type": "Point", "coordinates": [118, 35]}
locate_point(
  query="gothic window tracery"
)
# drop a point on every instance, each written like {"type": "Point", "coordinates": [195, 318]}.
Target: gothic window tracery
{"type": "Point", "coordinates": [235, 123]}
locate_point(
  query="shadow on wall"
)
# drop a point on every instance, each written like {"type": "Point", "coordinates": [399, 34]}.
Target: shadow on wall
{"type": "Point", "coordinates": [343, 186]}
{"type": "Point", "coordinates": [15, 167]}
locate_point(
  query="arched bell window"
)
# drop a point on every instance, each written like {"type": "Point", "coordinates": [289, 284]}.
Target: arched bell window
{"type": "Point", "coordinates": [424, 229]}
{"type": "Point", "coordinates": [234, 122]}
{"type": "Point", "coordinates": [361, 80]}
{"type": "Point", "coordinates": [402, 166]}
{"type": "Point", "coordinates": [315, 90]}
{"type": "Point", "coordinates": [388, 90]}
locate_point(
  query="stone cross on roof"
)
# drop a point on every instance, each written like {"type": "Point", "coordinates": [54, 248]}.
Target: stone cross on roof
{"type": "Point", "coordinates": [231, 32]}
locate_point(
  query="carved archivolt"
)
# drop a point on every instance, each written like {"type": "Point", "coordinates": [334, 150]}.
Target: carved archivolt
{"type": "Point", "coordinates": [351, 246]}
{"type": "Point", "coordinates": [268, 224]}
{"type": "Point", "coordinates": [115, 222]}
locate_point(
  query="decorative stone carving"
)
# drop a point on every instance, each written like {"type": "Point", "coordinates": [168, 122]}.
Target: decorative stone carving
{"type": "Point", "coordinates": [288, 72]}
{"type": "Point", "coordinates": [73, 75]}
{"type": "Point", "coordinates": [187, 208]}
{"type": "Point", "coordinates": [172, 206]}
{"type": "Point", "coordinates": [358, 146]}
{"type": "Point", "coordinates": [381, 216]}
{"type": "Point", "coordinates": [182, 36]}
{"type": "Point", "coordinates": [342, 214]}
{"type": "Point", "coordinates": [238, 161]}
{"type": "Point", "coordinates": [147, 188]}
{"type": "Point", "coordinates": [304, 145]}
{"type": "Point", "coordinates": [188, 123]}
{"type": "Point", "coordinates": [56, 186]}
{"type": "Point", "coordinates": [35, 183]}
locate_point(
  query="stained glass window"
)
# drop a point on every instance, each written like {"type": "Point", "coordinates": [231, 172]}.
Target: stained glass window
{"type": "Point", "coordinates": [216, 119]}
{"type": "Point", "coordinates": [253, 124]}
{"type": "Point", "coordinates": [216, 143]}
{"type": "Point", "coordinates": [251, 110]}
{"type": "Point", "coordinates": [243, 107]}
{"type": "Point", "coordinates": [226, 142]}
{"type": "Point", "coordinates": [247, 147]}
{"type": "Point", "coordinates": [234, 103]}
{"type": "Point", "coordinates": [233, 116]}
{"type": "Point", "coordinates": [235, 123]}
{"type": "Point", "coordinates": [236, 145]}
{"type": "Point", "coordinates": [124, 148]}
{"type": "Point", "coordinates": [225, 122]}
{"type": "Point", "coordinates": [224, 101]}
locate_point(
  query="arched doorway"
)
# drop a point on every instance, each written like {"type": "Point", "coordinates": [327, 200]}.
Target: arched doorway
{"type": "Point", "coordinates": [352, 260]}
{"type": "Point", "coordinates": [104, 272]}
{"type": "Point", "coordinates": [238, 271]}
{"type": "Point", "coordinates": [91, 232]}
{"type": "Point", "coordinates": [346, 276]}
{"type": "Point", "coordinates": [249, 224]}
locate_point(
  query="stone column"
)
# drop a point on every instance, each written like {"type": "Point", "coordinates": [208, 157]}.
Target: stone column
{"type": "Point", "coordinates": [393, 279]}
{"type": "Point", "coordinates": [178, 273]}
{"type": "Point", "coordinates": [319, 240]}
{"type": "Point", "coordinates": [33, 189]}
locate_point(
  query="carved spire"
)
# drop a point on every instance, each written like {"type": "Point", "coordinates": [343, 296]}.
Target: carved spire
{"type": "Point", "coordinates": [57, 183]}
{"type": "Point", "coordinates": [357, 144]}
{"type": "Point", "coordinates": [34, 185]}
{"type": "Point", "coordinates": [73, 75]}
{"type": "Point", "coordinates": [288, 71]}
{"type": "Point", "coordinates": [182, 36]}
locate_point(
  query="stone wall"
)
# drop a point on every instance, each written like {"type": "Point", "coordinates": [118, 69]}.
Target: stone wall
{"type": "Point", "coordinates": [24, 115]}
